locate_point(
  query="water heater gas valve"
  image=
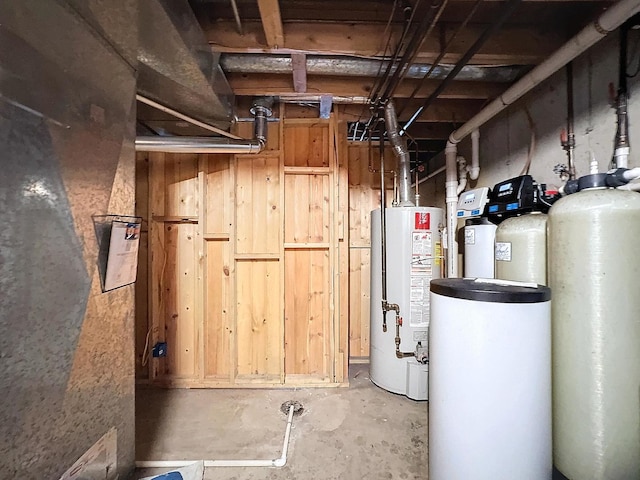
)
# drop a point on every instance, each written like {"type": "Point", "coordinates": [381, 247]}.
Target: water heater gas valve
{"type": "Point", "coordinates": [422, 355]}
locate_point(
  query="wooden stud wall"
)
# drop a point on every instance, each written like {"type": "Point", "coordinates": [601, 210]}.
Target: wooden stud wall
{"type": "Point", "coordinates": [247, 262]}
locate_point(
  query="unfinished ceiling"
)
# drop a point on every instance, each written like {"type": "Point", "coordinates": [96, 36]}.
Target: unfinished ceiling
{"type": "Point", "coordinates": [359, 53]}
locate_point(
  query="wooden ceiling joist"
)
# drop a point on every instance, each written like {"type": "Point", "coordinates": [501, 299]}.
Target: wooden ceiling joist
{"type": "Point", "coordinates": [271, 23]}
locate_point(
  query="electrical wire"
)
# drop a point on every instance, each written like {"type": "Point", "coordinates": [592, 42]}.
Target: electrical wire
{"type": "Point", "coordinates": [145, 352]}
{"type": "Point", "coordinates": [507, 10]}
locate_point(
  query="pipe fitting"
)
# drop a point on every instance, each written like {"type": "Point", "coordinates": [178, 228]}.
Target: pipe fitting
{"type": "Point", "coordinates": [462, 174]}
{"type": "Point", "coordinates": [261, 110]}
{"type": "Point", "coordinates": [474, 170]}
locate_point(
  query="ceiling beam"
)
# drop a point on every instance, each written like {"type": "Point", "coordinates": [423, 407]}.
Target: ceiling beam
{"type": "Point", "coordinates": [299, 68]}
{"type": "Point", "coordinates": [517, 45]}
{"type": "Point", "coordinates": [271, 23]}
{"type": "Point", "coordinates": [280, 84]}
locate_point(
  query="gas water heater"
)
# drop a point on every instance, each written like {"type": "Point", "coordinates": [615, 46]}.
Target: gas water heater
{"type": "Point", "coordinates": [399, 355]}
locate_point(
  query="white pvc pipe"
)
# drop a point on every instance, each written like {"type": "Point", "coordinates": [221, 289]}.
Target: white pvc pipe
{"type": "Point", "coordinates": [451, 196]}
{"type": "Point", "coordinates": [632, 174]}
{"type": "Point", "coordinates": [588, 36]}
{"type": "Point", "coordinates": [432, 174]}
{"type": "Point", "coordinates": [462, 175]}
{"type": "Point", "coordinates": [634, 187]}
{"type": "Point", "coordinates": [474, 171]}
{"type": "Point", "coordinates": [277, 462]}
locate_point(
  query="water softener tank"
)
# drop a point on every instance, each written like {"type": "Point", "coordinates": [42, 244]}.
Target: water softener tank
{"type": "Point", "coordinates": [594, 266]}
{"type": "Point", "coordinates": [489, 381]}
{"type": "Point", "coordinates": [414, 258]}
{"type": "Point", "coordinates": [479, 238]}
{"type": "Point", "coordinates": [521, 249]}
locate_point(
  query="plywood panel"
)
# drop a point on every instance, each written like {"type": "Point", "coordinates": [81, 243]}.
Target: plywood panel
{"type": "Point", "coordinates": [181, 184]}
{"type": "Point", "coordinates": [218, 320]}
{"type": "Point", "coordinates": [306, 144]}
{"type": "Point", "coordinates": [258, 205]}
{"type": "Point", "coordinates": [306, 208]}
{"type": "Point", "coordinates": [219, 194]}
{"type": "Point", "coordinates": [258, 319]}
{"type": "Point", "coordinates": [307, 317]}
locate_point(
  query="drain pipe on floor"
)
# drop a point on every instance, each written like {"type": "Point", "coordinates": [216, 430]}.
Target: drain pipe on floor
{"type": "Point", "coordinates": [277, 462]}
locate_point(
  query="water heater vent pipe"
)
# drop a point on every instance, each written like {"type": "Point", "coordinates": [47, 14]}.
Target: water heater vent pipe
{"type": "Point", "coordinates": [401, 151]}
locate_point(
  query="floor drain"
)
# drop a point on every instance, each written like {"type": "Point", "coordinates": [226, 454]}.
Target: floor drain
{"type": "Point", "coordinates": [297, 407]}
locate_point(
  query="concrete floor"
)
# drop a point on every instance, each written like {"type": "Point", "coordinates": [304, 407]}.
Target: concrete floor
{"type": "Point", "coordinates": [343, 433]}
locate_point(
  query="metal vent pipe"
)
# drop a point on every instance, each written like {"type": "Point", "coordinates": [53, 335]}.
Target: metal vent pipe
{"type": "Point", "coordinates": [401, 151]}
{"type": "Point", "coordinates": [261, 110]}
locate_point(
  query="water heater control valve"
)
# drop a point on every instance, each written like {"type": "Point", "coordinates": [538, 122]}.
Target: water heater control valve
{"type": "Point", "coordinates": [422, 354]}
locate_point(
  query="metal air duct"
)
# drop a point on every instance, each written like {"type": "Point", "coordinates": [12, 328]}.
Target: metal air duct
{"type": "Point", "coordinates": [176, 66]}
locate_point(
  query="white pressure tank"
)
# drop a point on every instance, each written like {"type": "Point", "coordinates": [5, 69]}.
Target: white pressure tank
{"type": "Point", "coordinates": [521, 248]}
{"type": "Point", "coordinates": [479, 248]}
{"type": "Point", "coordinates": [489, 381]}
{"type": "Point", "coordinates": [414, 257]}
{"type": "Point", "coordinates": [594, 266]}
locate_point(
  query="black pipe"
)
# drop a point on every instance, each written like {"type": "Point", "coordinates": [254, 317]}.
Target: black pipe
{"type": "Point", "coordinates": [506, 12]}
{"type": "Point", "coordinates": [410, 53]}
{"type": "Point", "coordinates": [441, 55]}
{"type": "Point", "coordinates": [385, 78]}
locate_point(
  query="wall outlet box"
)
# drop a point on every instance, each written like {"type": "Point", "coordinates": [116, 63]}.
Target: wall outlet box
{"type": "Point", "coordinates": [159, 350]}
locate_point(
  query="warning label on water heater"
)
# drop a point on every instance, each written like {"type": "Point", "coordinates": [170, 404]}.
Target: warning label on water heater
{"type": "Point", "coordinates": [421, 275]}
{"type": "Point", "coordinates": [423, 221]}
